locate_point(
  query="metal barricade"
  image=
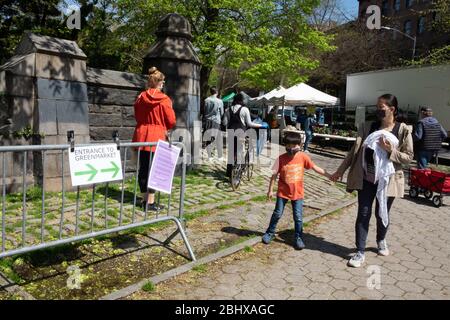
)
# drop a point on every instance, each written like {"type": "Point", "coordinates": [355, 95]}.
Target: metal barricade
{"type": "Point", "coordinates": [35, 226]}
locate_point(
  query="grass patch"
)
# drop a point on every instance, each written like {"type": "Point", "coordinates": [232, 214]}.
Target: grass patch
{"type": "Point", "coordinates": [7, 268]}
{"type": "Point", "coordinates": [197, 214]}
{"type": "Point", "coordinates": [149, 287]}
{"type": "Point", "coordinates": [248, 249]}
{"type": "Point", "coordinates": [261, 198]}
{"type": "Point", "coordinates": [225, 207]}
{"type": "Point", "coordinates": [200, 268]}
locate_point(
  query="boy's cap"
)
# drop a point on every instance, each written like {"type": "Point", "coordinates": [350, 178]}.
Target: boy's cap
{"type": "Point", "coordinates": [291, 129]}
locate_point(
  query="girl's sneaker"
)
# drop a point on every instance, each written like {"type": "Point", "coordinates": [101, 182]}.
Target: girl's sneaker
{"type": "Point", "coordinates": [267, 237]}
{"type": "Point", "coordinates": [383, 248]}
{"type": "Point", "coordinates": [357, 260]}
{"type": "Point", "coordinates": [299, 244]}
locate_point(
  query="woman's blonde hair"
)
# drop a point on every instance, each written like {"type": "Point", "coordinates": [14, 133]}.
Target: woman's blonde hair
{"type": "Point", "coordinates": [154, 77]}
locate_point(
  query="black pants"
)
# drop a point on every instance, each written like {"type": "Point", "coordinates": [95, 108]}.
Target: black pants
{"type": "Point", "coordinates": [216, 138]}
{"type": "Point", "coordinates": [144, 171]}
{"type": "Point", "coordinates": [366, 196]}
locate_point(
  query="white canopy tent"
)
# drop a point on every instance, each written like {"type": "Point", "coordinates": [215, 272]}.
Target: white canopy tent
{"type": "Point", "coordinates": [263, 100]}
{"type": "Point", "coordinates": [302, 94]}
{"type": "Point", "coordinates": [299, 94]}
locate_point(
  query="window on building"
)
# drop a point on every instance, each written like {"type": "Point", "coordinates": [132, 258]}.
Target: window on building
{"type": "Point", "coordinates": [409, 3]}
{"type": "Point", "coordinates": [397, 5]}
{"type": "Point", "coordinates": [408, 27]}
{"type": "Point", "coordinates": [385, 7]}
{"type": "Point", "coordinates": [421, 25]}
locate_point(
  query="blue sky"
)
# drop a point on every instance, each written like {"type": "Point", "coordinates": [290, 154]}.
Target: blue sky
{"type": "Point", "coordinates": [351, 6]}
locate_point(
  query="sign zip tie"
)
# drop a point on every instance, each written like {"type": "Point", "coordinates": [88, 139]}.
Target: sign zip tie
{"type": "Point", "coordinates": [71, 140]}
{"type": "Point", "coordinates": [116, 138]}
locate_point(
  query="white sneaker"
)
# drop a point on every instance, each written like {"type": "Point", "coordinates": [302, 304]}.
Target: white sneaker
{"type": "Point", "coordinates": [383, 248]}
{"type": "Point", "coordinates": [357, 260]}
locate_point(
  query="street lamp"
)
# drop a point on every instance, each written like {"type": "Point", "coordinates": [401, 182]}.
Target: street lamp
{"type": "Point", "coordinates": [406, 35]}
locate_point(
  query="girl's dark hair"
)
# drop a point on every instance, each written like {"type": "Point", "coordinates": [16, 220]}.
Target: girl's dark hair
{"type": "Point", "coordinates": [238, 99]}
{"type": "Point", "coordinates": [292, 138]}
{"type": "Point", "coordinates": [391, 101]}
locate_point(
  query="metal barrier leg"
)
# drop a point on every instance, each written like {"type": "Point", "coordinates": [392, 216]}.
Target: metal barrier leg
{"type": "Point", "coordinates": [3, 201]}
{"type": "Point", "coordinates": [186, 242]}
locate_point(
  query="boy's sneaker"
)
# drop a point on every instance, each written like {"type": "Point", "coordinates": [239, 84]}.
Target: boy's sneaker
{"type": "Point", "coordinates": [383, 248]}
{"type": "Point", "coordinates": [299, 244]}
{"type": "Point", "coordinates": [357, 260]}
{"type": "Point", "coordinates": [267, 237]}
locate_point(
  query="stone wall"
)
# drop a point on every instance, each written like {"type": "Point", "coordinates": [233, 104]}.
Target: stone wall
{"type": "Point", "coordinates": [111, 96]}
{"type": "Point", "coordinates": [48, 87]}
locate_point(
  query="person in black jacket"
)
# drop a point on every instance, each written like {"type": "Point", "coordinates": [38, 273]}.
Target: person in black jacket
{"type": "Point", "coordinates": [428, 136]}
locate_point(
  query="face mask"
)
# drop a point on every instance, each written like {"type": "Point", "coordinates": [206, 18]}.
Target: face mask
{"type": "Point", "coordinates": [292, 151]}
{"type": "Point", "coordinates": [381, 114]}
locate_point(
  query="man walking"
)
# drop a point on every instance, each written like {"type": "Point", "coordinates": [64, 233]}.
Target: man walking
{"type": "Point", "coordinates": [429, 135]}
{"type": "Point", "coordinates": [307, 121]}
{"type": "Point", "coordinates": [212, 120]}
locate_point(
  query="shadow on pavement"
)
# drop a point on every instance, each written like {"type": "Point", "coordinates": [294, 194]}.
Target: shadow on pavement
{"type": "Point", "coordinates": [316, 243]}
{"type": "Point", "coordinates": [426, 202]}
{"type": "Point", "coordinates": [312, 242]}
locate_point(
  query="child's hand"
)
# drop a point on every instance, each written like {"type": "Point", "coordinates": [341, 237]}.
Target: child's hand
{"type": "Point", "coordinates": [269, 195]}
{"type": "Point", "coordinates": [335, 176]}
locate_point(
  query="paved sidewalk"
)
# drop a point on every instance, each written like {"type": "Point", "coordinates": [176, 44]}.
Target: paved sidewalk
{"type": "Point", "coordinates": [419, 267]}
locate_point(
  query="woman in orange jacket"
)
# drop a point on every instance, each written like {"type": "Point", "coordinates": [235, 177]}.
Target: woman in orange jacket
{"type": "Point", "coordinates": [154, 117]}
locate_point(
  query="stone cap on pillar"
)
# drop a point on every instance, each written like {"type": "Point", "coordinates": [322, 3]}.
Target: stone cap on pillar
{"type": "Point", "coordinates": [33, 43]}
{"type": "Point", "coordinates": [174, 41]}
{"type": "Point", "coordinates": [176, 25]}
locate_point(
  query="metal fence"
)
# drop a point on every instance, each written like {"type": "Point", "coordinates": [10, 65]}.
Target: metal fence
{"type": "Point", "coordinates": [34, 219]}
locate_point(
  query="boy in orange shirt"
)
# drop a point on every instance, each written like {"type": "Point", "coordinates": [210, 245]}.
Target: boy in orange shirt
{"type": "Point", "coordinates": [290, 167]}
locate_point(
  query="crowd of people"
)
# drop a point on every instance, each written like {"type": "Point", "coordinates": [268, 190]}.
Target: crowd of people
{"type": "Point", "coordinates": [375, 162]}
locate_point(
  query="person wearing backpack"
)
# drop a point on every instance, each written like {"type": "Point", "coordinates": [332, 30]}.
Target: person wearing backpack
{"type": "Point", "coordinates": [239, 119]}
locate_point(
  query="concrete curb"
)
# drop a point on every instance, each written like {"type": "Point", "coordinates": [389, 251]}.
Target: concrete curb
{"type": "Point", "coordinates": [14, 289]}
{"type": "Point", "coordinates": [215, 256]}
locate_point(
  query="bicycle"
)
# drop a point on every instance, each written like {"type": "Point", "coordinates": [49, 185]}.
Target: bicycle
{"type": "Point", "coordinates": [239, 170]}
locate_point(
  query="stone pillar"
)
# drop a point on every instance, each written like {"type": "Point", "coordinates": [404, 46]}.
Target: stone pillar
{"type": "Point", "coordinates": [46, 80]}
{"type": "Point", "coordinates": [174, 55]}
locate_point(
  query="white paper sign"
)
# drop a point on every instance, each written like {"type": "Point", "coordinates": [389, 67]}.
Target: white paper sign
{"type": "Point", "coordinates": [95, 164]}
{"type": "Point", "coordinates": [163, 167]}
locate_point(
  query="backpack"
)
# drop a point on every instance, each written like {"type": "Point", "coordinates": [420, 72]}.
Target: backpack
{"type": "Point", "coordinates": [235, 120]}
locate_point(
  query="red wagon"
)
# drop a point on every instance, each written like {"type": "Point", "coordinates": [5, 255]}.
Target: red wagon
{"type": "Point", "coordinates": [428, 182]}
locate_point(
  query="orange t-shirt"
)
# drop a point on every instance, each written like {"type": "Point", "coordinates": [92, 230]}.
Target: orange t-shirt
{"type": "Point", "coordinates": [291, 170]}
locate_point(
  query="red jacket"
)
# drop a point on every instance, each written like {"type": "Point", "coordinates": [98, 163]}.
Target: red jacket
{"type": "Point", "coordinates": [154, 116]}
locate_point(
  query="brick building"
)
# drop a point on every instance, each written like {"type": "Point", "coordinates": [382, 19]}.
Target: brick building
{"type": "Point", "coordinates": [413, 17]}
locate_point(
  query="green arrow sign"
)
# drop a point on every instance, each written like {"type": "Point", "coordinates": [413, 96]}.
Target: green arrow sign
{"type": "Point", "coordinates": [114, 169]}
{"type": "Point", "coordinates": [93, 172]}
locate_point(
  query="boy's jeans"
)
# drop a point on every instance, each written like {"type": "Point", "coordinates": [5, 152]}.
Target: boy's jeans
{"type": "Point", "coordinates": [297, 208]}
